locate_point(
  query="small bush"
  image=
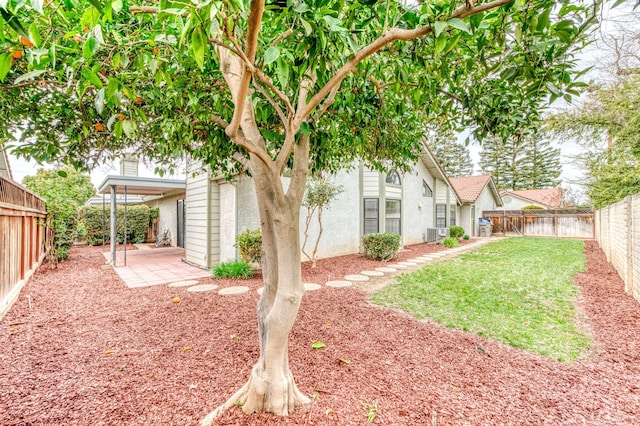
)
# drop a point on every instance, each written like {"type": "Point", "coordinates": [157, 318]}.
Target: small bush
{"type": "Point", "coordinates": [236, 270]}
{"type": "Point", "coordinates": [380, 246]}
{"type": "Point", "coordinates": [249, 243]}
{"type": "Point", "coordinates": [532, 207]}
{"type": "Point", "coordinates": [465, 237]}
{"type": "Point", "coordinates": [450, 242]}
{"type": "Point", "coordinates": [456, 231]}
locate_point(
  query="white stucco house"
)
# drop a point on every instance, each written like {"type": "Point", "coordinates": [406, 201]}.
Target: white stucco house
{"type": "Point", "coordinates": [547, 198]}
{"type": "Point", "coordinates": [410, 204]}
{"type": "Point", "coordinates": [478, 194]}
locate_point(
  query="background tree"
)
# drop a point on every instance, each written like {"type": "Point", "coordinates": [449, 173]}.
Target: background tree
{"type": "Point", "coordinates": [272, 88]}
{"type": "Point", "coordinates": [319, 195]}
{"type": "Point", "coordinates": [64, 190]}
{"type": "Point", "coordinates": [452, 155]}
{"type": "Point", "coordinates": [522, 162]}
{"type": "Point", "coordinates": [606, 123]}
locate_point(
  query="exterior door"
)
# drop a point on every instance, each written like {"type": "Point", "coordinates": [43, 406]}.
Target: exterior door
{"type": "Point", "coordinates": [181, 224]}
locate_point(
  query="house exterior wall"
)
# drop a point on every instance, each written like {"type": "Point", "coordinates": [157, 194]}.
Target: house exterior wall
{"type": "Point", "coordinates": [228, 221]}
{"type": "Point", "coordinates": [168, 210]}
{"type": "Point", "coordinates": [417, 209]}
{"type": "Point", "coordinates": [197, 220]}
{"type": "Point", "coordinates": [232, 208]}
{"type": "Point", "coordinates": [511, 202]}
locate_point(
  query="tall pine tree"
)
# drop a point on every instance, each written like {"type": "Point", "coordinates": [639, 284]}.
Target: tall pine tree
{"type": "Point", "coordinates": [452, 155]}
{"type": "Point", "coordinates": [521, 162]}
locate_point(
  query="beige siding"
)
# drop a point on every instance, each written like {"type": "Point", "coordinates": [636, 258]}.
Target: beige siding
{"type": "Point", "coordinates": [370, 183]}
{"type": "Point", "coordinates": [214, 224]}
{"type": "Point", "coordinates": [197, 228]}
{"type": "Point", "coordinates": [394, 192]}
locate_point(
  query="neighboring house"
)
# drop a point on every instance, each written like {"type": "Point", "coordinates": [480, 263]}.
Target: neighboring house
{"type": "Point", "coordinates": [5, 169]}
{"type": "Point", "coordinates": [478, 193]}
{"type": "Point", "coordinates": [550, 198]}
{"type": "Point", "coordinates": [411, 204]}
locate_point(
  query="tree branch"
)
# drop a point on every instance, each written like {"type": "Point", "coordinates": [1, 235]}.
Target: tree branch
{"type": "Point", "coordinates": [143, 9]}
{"type": "Point", "coordinates": [272, 101]}
{"type": "Point", "coordinates": [392, 35]}
{"type": "Point", "coordinates": [253, 30]}
{"type": "Point", "coordinates": [282, 37]}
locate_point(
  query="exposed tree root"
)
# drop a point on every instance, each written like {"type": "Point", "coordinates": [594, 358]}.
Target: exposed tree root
{"type": "Point", "coordinates": [259, 395]}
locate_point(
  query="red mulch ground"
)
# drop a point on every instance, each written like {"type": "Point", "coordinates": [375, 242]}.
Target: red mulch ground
{"type": "Point", "coordinates": [55, 369]}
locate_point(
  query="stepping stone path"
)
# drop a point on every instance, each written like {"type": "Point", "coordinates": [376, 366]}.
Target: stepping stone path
{"type": "Point", "coordinates": [233, 291]}
{"type": "Point", "coordinates": [202, 288]}
{"type": "Point", "coordinates": [186, 283]}
{"type": "Point", "coordinates": [338, 284]}
{"type": "Point", "coordinates": [346, 282]}
{"type": "Point", "coordinates": [372, 273]}
{"type": "Point", "coordinates": [356, 277]}
{"type": "Point", "coordinates": [312, 286]}
{"type": "Point", "coordinates": [399, 266]}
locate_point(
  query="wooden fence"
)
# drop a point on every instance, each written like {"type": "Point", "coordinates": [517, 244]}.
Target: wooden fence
{"type": "Point", "coordinates": [562, 223]}
{"type": "Point", "coordinates": [618, 233]}
{"type": "Point", "coordinates": [22, 217]}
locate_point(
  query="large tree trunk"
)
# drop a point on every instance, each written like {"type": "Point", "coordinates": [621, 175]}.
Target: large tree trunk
{"type": "Point", "coordinates": [271, 387]}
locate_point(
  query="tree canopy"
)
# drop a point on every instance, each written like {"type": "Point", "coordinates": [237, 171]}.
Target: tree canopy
{"type": "Point", "coordinates": [606, 123]}
{"type": "Point", "coordinates": [452, 155]}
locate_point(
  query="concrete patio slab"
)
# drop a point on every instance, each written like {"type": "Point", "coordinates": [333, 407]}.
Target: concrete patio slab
{"type": "Point", "coordinates": [154, 267]}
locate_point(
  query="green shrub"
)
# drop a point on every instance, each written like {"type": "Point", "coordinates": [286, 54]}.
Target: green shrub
{"type": "Point", "coordinates": [97, 223]}
{"type": "Point", "coordinates": [532, 207]}
{"type": "Point", "coordinates": [236, 270]}
{"type": "Point", "coordinates": [456, 231]}
{"type": "Point", "coordinates": [450, 242]}
{"type": "Point", "coordinates": [380, 246]}
{"type": "Point", "coordinates": [249, 243]}
{"type": "Point", "coordinates": [465, 237]}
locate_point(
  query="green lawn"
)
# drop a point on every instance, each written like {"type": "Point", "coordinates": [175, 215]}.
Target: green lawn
{"type": "Point", "coordinates": [517, 291]}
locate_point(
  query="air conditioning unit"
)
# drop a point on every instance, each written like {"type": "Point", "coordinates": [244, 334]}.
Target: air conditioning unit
{"type": "Point", "coordinates": [436, 235]}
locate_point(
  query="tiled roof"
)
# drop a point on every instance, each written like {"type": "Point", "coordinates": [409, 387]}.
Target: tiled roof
{"type": "Point", "coordinates": [470, 187]}
{"type": "Point", "coordinates": [549, 197]}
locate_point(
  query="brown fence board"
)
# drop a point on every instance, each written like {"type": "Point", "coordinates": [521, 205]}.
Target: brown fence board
{"type": "Point", "coordinates": [21, 239]}
{"type": "Point", "coordinates": [564, 223]}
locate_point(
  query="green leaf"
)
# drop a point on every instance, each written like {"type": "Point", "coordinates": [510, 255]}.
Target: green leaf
{"type": "Point", "coordinates": [304, 128]}
{"type": "Point", "coordinates": [198, 46]}
{"type": "Point", "coordinates": [308, 29]}
{"type": "Point", "coordinates": [28, 76]}
{"type": "Point", "coordinates": [62, 173]}
{"type": "Point", "coordinates": [318, 345]}
{"type": "Point", "coordinates": [438, 27]}
{"type": "Point", "coordinates": [129, 128]}
{"type": "Point", "coordinates": [116, 5]}
{"type": "Point", "coordinates": [37, 5]}
{"type": "Point", "coordinates": [459, 24]}
{"type": "Point", "coordinates": [96, 4]}
{"type": "Point", "coordinates": [441, 42]}
{"type": "Point", "coordinates": [5, 65]}
{"type": "Point", "coordinates": [92, 77]}
{"type": "Point", "coordinates": [13, 22]}
{"type": "Point", "coordinates": [552, 87]}
{"type": "Point", "coordinates": [271, 54]}
{"type": "Point", "coordinates": [98, 102]}
{"type": "Point", "coordinates": [34, 35]}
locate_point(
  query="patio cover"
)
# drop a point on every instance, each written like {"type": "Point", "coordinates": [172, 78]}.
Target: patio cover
{"type": "Point", "coordinates": [134, 185]}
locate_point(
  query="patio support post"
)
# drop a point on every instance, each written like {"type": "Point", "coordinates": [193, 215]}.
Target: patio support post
{"type": "Point", "coordinates": [113, 226]}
